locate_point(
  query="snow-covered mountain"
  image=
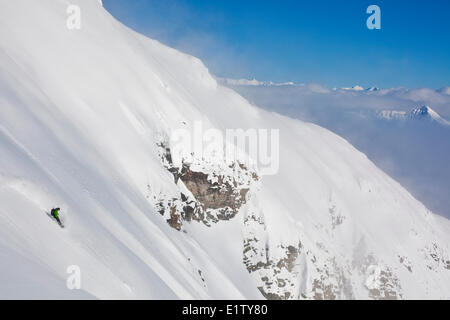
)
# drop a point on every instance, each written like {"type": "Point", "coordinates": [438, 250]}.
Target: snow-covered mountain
{"type": "Point", "coordinates": [86, 120]}
{"type": "Point", "coordinates": [424, 113]}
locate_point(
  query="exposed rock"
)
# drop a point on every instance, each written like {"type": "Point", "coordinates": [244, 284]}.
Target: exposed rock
{"type": "Point", "coordinates": [383, 284]}
{"type": "Point", "coordinates": [336, 217]}
{"type": "Point", "coordinates": [175, 218]}
{"type": "Point", "coordinates": [323, 291]}
{"type": "Point", "coordinates": [215, 196]}
{"type": "Point", "coordinates": [405, 262]}
{"type": "Point", "coordinates": [436, 257]}
{"type": "Point", "coordinates": [276, 275]}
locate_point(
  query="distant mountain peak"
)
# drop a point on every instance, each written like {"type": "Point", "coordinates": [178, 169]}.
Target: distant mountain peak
{"type": "Point", "coordinates": [354, 88]}
{"type": "Point", "coordinates": [360, 88]}
{"type": "Point", "coordinates": [419, 113]}
{"type": "Point", "coordinates": [425, 112]}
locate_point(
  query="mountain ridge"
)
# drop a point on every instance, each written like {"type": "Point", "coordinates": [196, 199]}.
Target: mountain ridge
{"type": "Point", "coordinates": [86, 124]}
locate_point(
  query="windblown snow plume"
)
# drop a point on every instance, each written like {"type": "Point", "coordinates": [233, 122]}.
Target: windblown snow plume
{"type": "Point", "coordinates": [87, 118]}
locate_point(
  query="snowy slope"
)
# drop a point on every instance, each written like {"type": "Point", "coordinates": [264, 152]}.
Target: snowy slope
{"type": "Point", "coordinates": [83, 117]}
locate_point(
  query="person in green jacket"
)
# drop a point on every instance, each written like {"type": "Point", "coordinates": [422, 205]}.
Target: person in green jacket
{"type": "Point", "coordinates": [55, 214]}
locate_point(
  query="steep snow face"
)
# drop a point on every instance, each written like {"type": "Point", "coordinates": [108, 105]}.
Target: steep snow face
{"type": "Point", "coordinates": [86, 118]}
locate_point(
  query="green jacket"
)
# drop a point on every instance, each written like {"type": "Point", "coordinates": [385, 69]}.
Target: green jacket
{"type": "Point", "coordinates": [55, 213]}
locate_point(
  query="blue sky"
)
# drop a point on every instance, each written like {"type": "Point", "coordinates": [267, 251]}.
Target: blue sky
{"type": "Point", "coordinates": [318, 41]}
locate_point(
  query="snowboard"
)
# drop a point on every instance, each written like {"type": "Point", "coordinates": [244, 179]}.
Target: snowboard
{"type": "Point", "coordinates": [54, 219]}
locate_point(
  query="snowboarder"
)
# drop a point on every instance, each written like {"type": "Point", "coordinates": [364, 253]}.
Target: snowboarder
{"type": "Point", "coordinates": [55, 214]}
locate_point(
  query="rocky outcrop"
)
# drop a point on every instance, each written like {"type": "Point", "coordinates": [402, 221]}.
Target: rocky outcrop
{"type": "Point", "coordinates": [436, 257]}
{"type": "Point", "coordinates": [336, 217]}
{"type": "Point", "coordinates": [220, 195]}
{"type": "Point", "coordinates": [383, 284]}
{"type": "Point", "coordinates": [212, 195]}
{"type": "Point", "coordinates": [331, 281]}
{"type": "Point", "coordinates": [405, 262]}
{"type": "Point", "coordinates": [275, 273]}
